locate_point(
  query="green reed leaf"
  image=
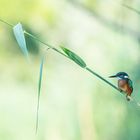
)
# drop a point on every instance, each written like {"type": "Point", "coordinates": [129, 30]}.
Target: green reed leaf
{"type": "Point", "coordinates": [74, 57]}
{"type": "Point", "coordinates": [39, 89]}
{"type": "Point", "coordinates": [19, 35]}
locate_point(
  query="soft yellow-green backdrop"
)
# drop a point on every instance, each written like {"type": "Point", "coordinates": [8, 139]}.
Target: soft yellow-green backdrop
{"type": "Point", "coordinates": [74, 105]}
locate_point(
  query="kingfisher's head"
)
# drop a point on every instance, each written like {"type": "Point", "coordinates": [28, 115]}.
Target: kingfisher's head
{"type": "Point", "coordinates": [120, 75]}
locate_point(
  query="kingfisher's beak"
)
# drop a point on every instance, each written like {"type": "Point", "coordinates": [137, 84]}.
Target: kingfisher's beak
{"type": "Point", "coordinates": [113, 76]}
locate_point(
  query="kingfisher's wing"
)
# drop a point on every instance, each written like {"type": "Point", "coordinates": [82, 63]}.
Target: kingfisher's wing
{"type": "Point", "coordinates": [130, 83]}
{"type": "Point", "coordinates": [126, 86]}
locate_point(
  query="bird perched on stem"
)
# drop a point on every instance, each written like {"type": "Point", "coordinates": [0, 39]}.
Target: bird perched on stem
{"type": "Point", "coordinates": [124, 83]}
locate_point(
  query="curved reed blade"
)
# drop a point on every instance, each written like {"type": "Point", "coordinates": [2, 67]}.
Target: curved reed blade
{"type": "Point", "coordinates": [74, 57]}
{"type": "Point", "coordinates": [19, 35]}
{"type": "Point", "coordinates": [39, 90]}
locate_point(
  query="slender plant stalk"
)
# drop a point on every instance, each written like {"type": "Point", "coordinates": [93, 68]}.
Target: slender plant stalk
{"type": "Point", "coordinates": [131, 8]}
{"type": "Point", "coordinates": [46, 44]}
{"type": "Point", "coordinates": [100, 77]}
{"type": "Point", "coordinates": [55, 49]}
{"type": "Point", "coordinates": [6, 23]}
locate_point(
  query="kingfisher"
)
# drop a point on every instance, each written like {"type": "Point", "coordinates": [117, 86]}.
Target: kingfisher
{"type": "Point", "coordinates": [124, 83]}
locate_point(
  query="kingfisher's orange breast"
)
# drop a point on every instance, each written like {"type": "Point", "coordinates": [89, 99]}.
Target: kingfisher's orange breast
{"type": "Point", "coordinates": [123, 85]}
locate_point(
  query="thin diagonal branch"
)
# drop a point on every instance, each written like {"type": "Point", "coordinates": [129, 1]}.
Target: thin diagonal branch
{"type": "Point", "coordinates": [100, 77]}
{"type": "Point", "coordinates": [131, 8]}
{"type": "Point", "coordinates": [88, 69]}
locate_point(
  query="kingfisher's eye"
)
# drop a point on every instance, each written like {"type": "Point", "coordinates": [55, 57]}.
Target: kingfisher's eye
{"type": "Point", "coordinates": [125, 76]}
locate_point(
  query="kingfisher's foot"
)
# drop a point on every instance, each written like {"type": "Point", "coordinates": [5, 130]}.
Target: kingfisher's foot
{"type": "Point", "coordinates": [128, 98]}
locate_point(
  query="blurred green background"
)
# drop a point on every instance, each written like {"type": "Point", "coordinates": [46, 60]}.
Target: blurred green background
{"type": "Point", "coordinates": [74, 105]}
